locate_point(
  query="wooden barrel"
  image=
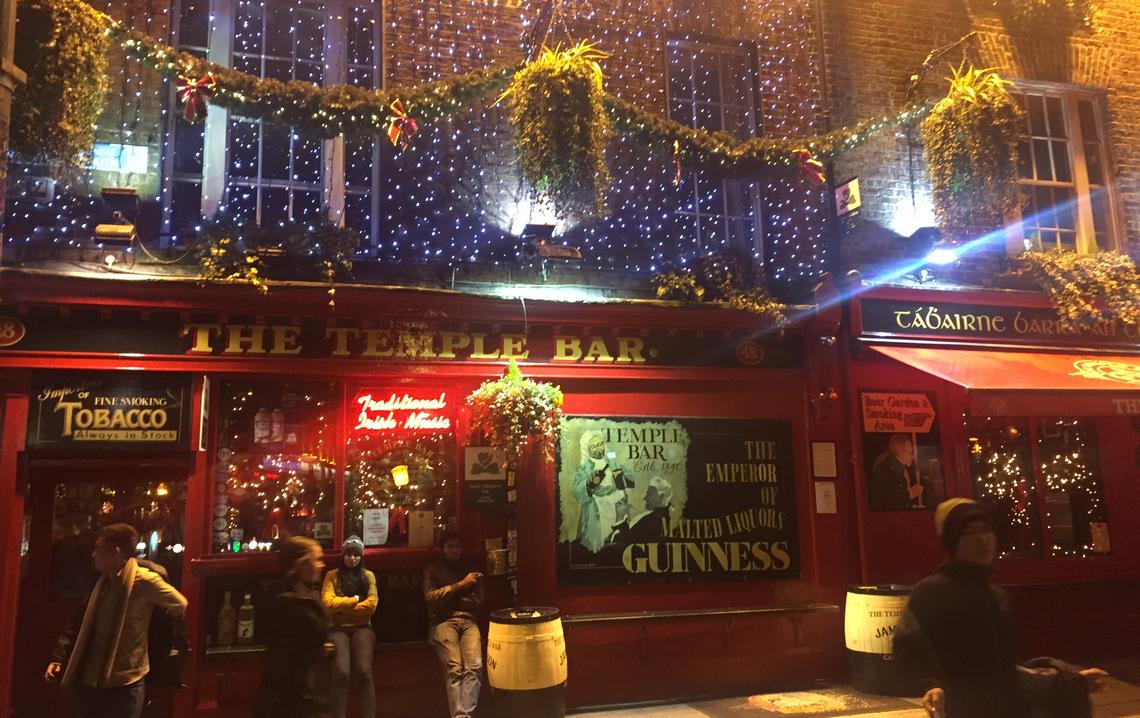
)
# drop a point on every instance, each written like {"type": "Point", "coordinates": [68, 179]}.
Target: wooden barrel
{"type": "Point", "coordinates": [869, 626]}
{"type": "Point", "coordinates": [526, 663]}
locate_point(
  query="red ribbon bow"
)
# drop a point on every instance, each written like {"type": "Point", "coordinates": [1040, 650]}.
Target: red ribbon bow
{"type": "Point", "coordinates": [401, 127]}
{"type": "Point", "coordinates": [194, 94]}
{"type": "Point", "coordinates": [809, 168]}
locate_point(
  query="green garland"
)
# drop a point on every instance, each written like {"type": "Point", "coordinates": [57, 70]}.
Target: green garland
{"type": "Point", "coordinates": [323, 111]}
{"type": "Point", "coordinates": [63, 48]}
{"type": "Point", "coordinates": [561, 129]}
{"type": "Point", "coordinates": [725, 155]}
{"type": "Point", "coordinates": [970, 139]}
{"type": "Point", "coordinates": [1086, 289]}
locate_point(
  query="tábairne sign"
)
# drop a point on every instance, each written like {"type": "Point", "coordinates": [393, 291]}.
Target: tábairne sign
{"type": "Point", "coordinates": [95, 413]}
{"type": "Point", "coordinates": [978, 323]}
{"type": "Point", "coordinates": [378, 411]}
{"type": "Point", "coordinates": [171, 334]}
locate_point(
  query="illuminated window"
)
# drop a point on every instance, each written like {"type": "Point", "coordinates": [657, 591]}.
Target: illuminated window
{"type": "Point", "coordinates": [713, 88]}
{"type": "Point", "coordinates": [276, 470]}
{"type": "Point", "coordinates": [400, 477]}
{"type": "Point", "coordinates": [1041, 481]}
{"type": "Point", "coordinates": [263, 172]}
{"type": "Point", "coordinates": [1062, 166]}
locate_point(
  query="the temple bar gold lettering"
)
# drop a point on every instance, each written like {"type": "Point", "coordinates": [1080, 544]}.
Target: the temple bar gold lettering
{"type": "Point", "coordinates": [351, 342]}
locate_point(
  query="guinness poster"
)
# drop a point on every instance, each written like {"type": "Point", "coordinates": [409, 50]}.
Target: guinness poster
{"type": "Point", "coordinates": [118, 412]}
{"type": "Point", "coordinates": [659, 500]}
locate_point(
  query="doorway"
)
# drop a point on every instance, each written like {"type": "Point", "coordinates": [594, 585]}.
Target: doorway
{"type": "Point", "coordinates": [65, 508]}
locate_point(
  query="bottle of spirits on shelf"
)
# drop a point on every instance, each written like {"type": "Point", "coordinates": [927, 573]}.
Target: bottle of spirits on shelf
{"type": "Point", "coordinates": [245, 621]}
{"type": "Point", "coordinates": [227, 622]}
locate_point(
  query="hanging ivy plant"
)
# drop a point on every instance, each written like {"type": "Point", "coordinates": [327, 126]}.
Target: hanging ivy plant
{"type": "Point", "coordinates": [557, 108]}
{"type": "Point", "coordinates": [63, 49]}
{"type": "Point", "coordinates": [727, 278]}
{"type": "Point", "coordinates": [970, 139]}
{"type": "Point", "coordinates": [510, 411]}
{"type": "Point", "coordinates": [1033, 16]}
{"type": "Point", "coordinates": [1087, 289]}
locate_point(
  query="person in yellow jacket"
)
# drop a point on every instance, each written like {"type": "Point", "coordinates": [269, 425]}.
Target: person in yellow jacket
{"type": "Point", "coordinates": [350, 597]}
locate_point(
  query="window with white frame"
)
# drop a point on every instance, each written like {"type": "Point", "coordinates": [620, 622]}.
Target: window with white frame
{"type": "Point", "coordinates": [269, 173]}
{"type": "Point", "coordinates": [1062, 167]}
{"type": "Point", "coordinates": [713, 87]}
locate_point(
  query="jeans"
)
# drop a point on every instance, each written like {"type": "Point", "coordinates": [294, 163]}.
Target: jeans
{"type": "Point", "coordinates": [121, 702]}
{"type": "Point", "coordinates": [460, 650]}
{"type": "Point", "coordinates": [354, 650]}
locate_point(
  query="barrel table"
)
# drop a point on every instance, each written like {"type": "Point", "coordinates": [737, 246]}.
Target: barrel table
{"type": "Point", "coordinates": [526, 663]}
{"type": "Point", "coordinates": [869, 626]}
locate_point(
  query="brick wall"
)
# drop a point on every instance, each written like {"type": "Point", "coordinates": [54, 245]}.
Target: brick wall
{"type": "Point", "coordinates": [874, 47]}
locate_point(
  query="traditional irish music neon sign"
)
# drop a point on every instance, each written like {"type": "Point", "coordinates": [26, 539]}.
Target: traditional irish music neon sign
{"type": "Point", "coordinates": [383, 411]}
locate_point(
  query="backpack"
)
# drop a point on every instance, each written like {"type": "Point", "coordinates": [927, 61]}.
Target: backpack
{"type": "Point", "coordinates": [167, 644]}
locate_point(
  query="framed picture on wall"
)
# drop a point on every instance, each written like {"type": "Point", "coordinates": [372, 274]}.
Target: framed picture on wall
{"type": "Point", "coordinates": [902, 450]}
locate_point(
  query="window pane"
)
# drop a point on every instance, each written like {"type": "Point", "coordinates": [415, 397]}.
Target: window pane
{"type": "Point", "coordinates": [1037, 115]}
{"type": "Point", "coordinates": [1002, 472]}
{"type": "Point", "coordinates": [275, 152]}
{"type": "Point", "coordinates": [1074, 495]}
{"type": "Point", "coordinates": [361, 37]}
{"type": "Point", "coordinates": [1056, 117]}
{"type": "Point", "coordinates": [279, 70]}
{"type": "Point", "coordinates": [1041, 156]}
{"type": "Point", "coordinates": [241, 202]}
{"type": "Point", "coordinates": [358, 216]}
{"type": "Point", "coordinates": [1043, 202]}
{"type": "Point", "coordinates": [278, 30]}
{"type": "Point", "coordinates": [362, 77]}
{"type": "Point", "coordinates": [243, 148]}
{"type": "Point", "coordinates": [1061, 161]}
{"type": "Point", "coordinates": [1100, 211]}
{"type": "Point", "coordinates": [250, 64]}
{"type": "Point", "coordinates": [1089, 130]}
{"type": "Point", "coordinates": [737, 80]}
{"type": "Point", "coordinates": [310, 72]}
{"type": "Point", "coordinates": [274, 205]}
{"type": "Point", "coordinates": [247, 28]}
{"type": "Point", "coordinates": [276, 467]}
{"type": "Point", "coordinates": [310, 34]}
{"type": "Point", "coordinates": [306, 205]}
{"type": "Point", "coordinates": [307, 159]}
{"type": "Point", "coordinates": [708, 117]}
{"type": "Point", "coordinates": [358, 162]}
{"type": "Point", "coordinates": [680, 74]}
{"type": "Point", "coordinates": [194, 23]}
{"type": "Point", "coordinates": [189, 140]}
{"type": "Point", "coordinates": [1066, 207]}
{"type": "Point", "coordinates": [706, 76]}
{"type": "Point", "coordinates": [1093, 164]}
{"type": "Point", "coordinates": [710, 194]}
{"type": "Point", "coordinates": [682, 112]}
{"type": "Point", "coordinates": [1024, 160]}
{"type": "Point", "coordinates": [185, 206]}
{"type": "Point", "coordinates": [416, 501]}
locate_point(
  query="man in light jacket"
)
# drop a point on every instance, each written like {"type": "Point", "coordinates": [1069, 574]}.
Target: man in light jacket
{"type": "Point", "coordinates": [102, 655]}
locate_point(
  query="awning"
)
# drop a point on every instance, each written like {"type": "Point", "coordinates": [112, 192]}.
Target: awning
{"type": "Point", "coordinates": [1007, 383]}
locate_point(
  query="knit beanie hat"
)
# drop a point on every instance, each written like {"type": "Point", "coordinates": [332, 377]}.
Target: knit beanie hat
{"type": "Point", "coordinates": [953, 515]}
{"type": "Point", "coordinates": [352, 544]}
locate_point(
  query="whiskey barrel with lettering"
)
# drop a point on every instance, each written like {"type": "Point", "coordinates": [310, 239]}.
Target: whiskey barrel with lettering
{"type": "Point", "coordinates": [869, 625]}
{"type": "Point", "coordinates": [526, 663]}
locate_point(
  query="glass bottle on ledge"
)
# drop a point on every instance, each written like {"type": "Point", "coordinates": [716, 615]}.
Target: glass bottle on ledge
{"type": "Point", "coordinates": [245, 621]}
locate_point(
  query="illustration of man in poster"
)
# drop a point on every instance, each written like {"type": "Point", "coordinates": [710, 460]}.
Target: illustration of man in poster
{"type": "Point", "coordinates": [894, 484]}
{"type": "Point", "coordinates": [600, 485]}
{"type": "Point", "coordinates": [649, 525]}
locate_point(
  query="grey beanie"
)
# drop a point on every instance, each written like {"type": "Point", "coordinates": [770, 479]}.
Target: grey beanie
{"type": "Point", "coordinates": [353, 544]}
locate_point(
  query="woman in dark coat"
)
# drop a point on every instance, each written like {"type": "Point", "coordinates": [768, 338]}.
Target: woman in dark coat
{"type": "Point", "coordinates": [297, 631]}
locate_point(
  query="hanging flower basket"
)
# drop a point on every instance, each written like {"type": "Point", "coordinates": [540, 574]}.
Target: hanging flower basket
{"type": "Point", "coordinates": [510, 411]}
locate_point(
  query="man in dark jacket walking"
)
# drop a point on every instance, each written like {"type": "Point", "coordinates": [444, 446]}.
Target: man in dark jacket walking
{"type": "Point", "coordinates": [957, 633]}
{"type": "Point", "coordinates": [454, 595]}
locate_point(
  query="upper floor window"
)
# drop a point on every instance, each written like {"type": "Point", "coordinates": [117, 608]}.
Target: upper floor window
{"type": "Point", "coordinates": [1062, 166]}
{"type": "Point", "coordinates": [263, 172]}
{"type": "Point", "coordinates": [713, 88]}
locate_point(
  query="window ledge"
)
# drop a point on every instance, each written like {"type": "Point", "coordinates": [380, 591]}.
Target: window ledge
{"type": "Point", "coordinates": [382, 559]}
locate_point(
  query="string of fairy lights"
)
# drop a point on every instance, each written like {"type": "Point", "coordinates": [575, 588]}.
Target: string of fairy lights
{"type": "Point", "coordinates": [455, 195]}
{"type": "Point", "coordinates": [1001, 464]}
